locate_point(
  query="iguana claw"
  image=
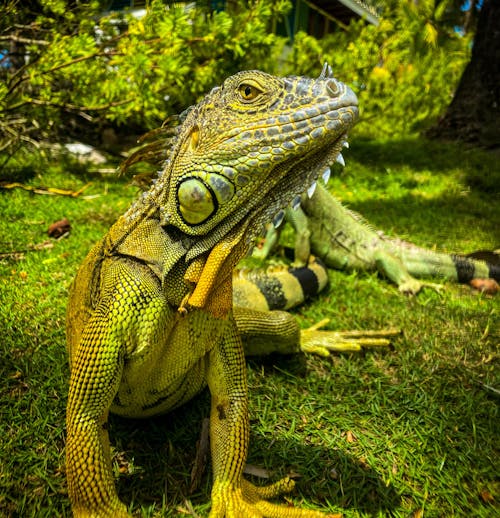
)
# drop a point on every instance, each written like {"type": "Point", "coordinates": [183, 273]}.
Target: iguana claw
{"type": "Point", "coordinates": [315, 341]}
{"type": "Point", "coordinates": [251, 502]}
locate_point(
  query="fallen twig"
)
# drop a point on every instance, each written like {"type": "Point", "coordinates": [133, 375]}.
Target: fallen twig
{"type": "Point", "coordinates": [202, 450]}
{"type": "Point", "coordinates": [19, 254]}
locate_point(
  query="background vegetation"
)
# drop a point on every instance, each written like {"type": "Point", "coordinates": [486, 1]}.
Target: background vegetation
{"type": "Point", "coordinates": [405, 432]}
{"type": "Point", "coordinates": [74, 71]}
{"type": "Point", "coordinates": [411, 431]}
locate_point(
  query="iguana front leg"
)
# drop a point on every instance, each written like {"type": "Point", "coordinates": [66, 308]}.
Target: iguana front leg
{"type": "Point", "coordinates": [264, 250]}
{"type": "Point", "coordinates": [232, 495]}
{"type": "Point", "coordinates": [302, 247]}
{"type": "Point", "coordinates": [94, 382]}
{"type": "Point", "coordinates": [131, 308]}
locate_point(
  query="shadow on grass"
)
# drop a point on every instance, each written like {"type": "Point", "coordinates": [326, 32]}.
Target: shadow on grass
{"type": "Point", "coordinates": [17, 174]}
{"type": "Point", "coordinates": [448, 216]}
{"type": "Point", "coordinates": [482, 170]}
{"type": "Point", "coordinates": [163, 451]}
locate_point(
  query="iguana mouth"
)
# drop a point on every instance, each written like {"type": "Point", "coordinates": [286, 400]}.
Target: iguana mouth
{"type": "Point", "coordinates": [319, 160]}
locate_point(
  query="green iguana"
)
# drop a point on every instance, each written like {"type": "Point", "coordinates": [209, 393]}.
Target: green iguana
{"type": "Point", "coordinates": [150, 318]}
{"type": "Point", "coordinates": [343, 241]}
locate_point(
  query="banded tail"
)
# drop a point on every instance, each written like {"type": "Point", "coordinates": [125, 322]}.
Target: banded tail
{"type": "Point", "coordinates": [459, 268]}
{"type": "Point", "coordinates": [280, 288]}
{"type": "Point", "coordinates": [487, 259]}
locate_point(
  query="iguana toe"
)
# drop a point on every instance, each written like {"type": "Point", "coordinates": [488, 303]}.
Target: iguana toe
{"type": "Point", "coordinates": [315, 341]}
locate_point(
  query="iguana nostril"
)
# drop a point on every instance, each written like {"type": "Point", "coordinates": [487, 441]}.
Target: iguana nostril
{"type": "Point", "coordinates": [333, 87]}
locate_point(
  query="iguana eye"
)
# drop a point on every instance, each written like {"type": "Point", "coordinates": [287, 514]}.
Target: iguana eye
{"type": "Point", "coordinates": [248, 92]}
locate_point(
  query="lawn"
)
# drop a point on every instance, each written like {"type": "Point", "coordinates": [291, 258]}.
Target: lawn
{"type": "Point", "coordinates": [410, 431]}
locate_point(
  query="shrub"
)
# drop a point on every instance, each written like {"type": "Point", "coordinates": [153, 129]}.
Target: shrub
{"type": "Point", "coordinates": [404, 70]}
{"type": "Point", "coordinates": [84, 67]}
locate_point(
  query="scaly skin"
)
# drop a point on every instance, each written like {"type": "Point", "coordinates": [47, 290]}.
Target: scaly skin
{"type": "Point", "coordinates": [150, 319]}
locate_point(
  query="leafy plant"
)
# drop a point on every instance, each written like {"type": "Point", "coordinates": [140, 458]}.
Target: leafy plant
{"type": "Point", "coordinates": [72, 70]}
{"type": "Point", "coordinates": [404, 70]}
{"type": "Point", "coordinates": [84, 67]}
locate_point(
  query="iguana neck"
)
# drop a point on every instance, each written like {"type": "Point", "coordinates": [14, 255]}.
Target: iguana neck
{"type": "Point", "coordinates": [187, 266]}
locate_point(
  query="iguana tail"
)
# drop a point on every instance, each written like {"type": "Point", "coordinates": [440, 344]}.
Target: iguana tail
{"type": "Point", "coordinates": [459, 268]}
{"type": "Point", "coordinates": [280, 287]}
{"type": "Point", "coordinates": [491, 259]}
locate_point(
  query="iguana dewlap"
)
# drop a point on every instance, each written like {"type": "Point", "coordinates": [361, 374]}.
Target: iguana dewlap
{"type": "Point", "coordinates": [150, 318]}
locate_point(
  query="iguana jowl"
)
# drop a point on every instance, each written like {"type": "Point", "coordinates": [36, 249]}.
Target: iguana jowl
{"type": "Point", "coordinates": [150, 319]}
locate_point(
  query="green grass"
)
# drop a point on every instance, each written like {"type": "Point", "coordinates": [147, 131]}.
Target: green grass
{"type": "Point", "coordinates": [407, 432]}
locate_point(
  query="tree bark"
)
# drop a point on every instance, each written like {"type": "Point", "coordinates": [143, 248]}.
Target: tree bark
{"type": "Point", "coordinates": [473, 115]}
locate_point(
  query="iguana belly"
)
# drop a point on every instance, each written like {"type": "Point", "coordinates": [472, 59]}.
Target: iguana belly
{"type": "Point", "coordinates": [166, 375]}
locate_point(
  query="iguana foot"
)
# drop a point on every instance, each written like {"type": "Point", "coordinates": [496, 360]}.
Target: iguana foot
{"type": "Point", "coordinates": [315, 341]}
{"type": "Point", "coordinates": [413, 287]}
{"type": "Point", "coordinates": [251, 502]}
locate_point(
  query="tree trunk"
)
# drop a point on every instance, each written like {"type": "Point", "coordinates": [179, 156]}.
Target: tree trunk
{"type": "Point", "coordinates": [474, 113]}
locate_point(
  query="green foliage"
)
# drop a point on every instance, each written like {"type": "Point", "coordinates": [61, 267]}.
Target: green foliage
{"type": "Point", "coordinates": [87, 67]}
{"type": "Point", "coordinates": [126, 70]}
{"type": "Point", "coordinates": [404, 71]}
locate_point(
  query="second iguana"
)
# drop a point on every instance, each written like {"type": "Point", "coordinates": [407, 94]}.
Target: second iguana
{"type": "Point", "coordinates": [343, 240]}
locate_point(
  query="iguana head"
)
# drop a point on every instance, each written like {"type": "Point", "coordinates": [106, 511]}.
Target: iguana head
{"type": "Point", "coordinates": [250, 147]}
